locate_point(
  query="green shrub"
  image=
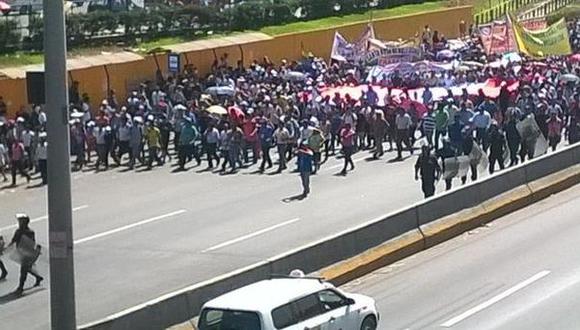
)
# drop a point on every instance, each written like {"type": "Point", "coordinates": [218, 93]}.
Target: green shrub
{"type": "Point", "coordinates": [8, 35]}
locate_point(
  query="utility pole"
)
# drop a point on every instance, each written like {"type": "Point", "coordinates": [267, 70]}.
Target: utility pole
{"type": "Point", "coordinates": [62, 284]}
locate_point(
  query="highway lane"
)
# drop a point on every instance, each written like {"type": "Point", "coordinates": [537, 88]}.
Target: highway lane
{"type": "Point", "coordinates": [520, 272]}
{"type": "Point", "coordinates": [142, 234]}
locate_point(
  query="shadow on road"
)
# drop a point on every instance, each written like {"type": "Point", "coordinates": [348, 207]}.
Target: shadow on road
{"type": "Point", "coordinates": [13, 295]}
{"type": "Point", "coordinates": [293, 198]}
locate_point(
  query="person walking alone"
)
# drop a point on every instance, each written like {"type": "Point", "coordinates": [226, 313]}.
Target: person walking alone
{"type": "Point", "coordinates": [305, 166]}
{"type": "Point", "coordinates": [24, 236]}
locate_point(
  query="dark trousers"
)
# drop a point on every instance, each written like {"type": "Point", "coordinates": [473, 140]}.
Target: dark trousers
{"type": "Point", "coordinates": [473, 174]}
{"type": "Point", "coordinates": [514, 146]}
{"type": "Point", "coordinates": [403, 138]}
{"type": "Point", "coordinates": [448, 184]}
{"type": "Point", "coordinates": [250, 145]}
{"type": "Point", "coordinates": [528, 149]}
{"type": "Point", "coordinates": [3, 271]}
{"type": "Point", "coordinates": [429, 137]}
{"type": "Point", "coordinates": [183, 151]}
{"type": "Point", "coordinates": [26, 269]}
{"type": "Point", "coordinates": [153, 155]}
{"type": "Point", "coordinates": [18, 166]}
{"type": "Point", "coordinates": [481, 138]}
{"type": "Point", "coordinates": [428, 186]}
{"type": "Point", "coordinates": [553, 141]}
{"type": "Point", "coordinates": [348, 151]}
{"type": "Point", "coordinates": [334, 140]}
{"type": "Point", "coordinates": [124, 148]}
{"type": "Point", "coordinates": [43, 168]}
{"type": "Point", "coordinates": [234, 156]}
{"type": "Point", "coordinates": [438, 134]}
{"type": "Point", "coordinates": [305, 178]}
{"type": "Point", "coordinates": [211, 150]}
{"type": "Point", "coordinates": [29, 162]}
{"type": "Point", "coordinates": [379, 149]}
{"type": "Point", "coordinates": [317, 158]}
{"type": "Point", "coordinates": [492, 160]}
{"type": "Point", "coordinates": [102, 156]}
{"type": "Point", "coordinates": [266, 156]}
{"type": "Point", "coordinates": [281, 156]}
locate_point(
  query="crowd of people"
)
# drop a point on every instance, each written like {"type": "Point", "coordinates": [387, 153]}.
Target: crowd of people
{"type": "Point", "coordinates": [238, 116]}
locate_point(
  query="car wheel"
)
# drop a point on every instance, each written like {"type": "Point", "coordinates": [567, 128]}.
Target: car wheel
{"type": "Point", "coordinates": [369, 323]}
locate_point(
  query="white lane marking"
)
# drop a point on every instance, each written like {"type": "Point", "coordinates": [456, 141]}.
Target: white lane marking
{"type": "Point", "coordinates": [254, 234]}
{"type": "Point", "coordinates": [127, 227]}
{"type": "Point", "coordinates": [42, 218]}
{"type": "Point", "coordinates": [493, 300]}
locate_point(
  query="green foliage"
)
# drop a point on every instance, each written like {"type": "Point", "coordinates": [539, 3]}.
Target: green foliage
{"type": "Point", "coordinates": [8, 36]}
{"type": "Point", "coordinates": [103, 26]}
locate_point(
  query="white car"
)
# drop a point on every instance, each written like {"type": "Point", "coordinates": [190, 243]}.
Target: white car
{"type": "Point", "coordinates": [289, 304]}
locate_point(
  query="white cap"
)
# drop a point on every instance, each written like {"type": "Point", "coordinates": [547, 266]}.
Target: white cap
{"type": "Point", "coordinates": [297, 273]}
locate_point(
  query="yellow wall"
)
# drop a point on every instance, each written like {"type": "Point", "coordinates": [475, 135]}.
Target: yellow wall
{"type": "Point", "coordinates": [126, 76]}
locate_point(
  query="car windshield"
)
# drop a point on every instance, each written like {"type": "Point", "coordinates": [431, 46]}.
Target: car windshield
{"type": "Point", "coordinates": [220, 319]}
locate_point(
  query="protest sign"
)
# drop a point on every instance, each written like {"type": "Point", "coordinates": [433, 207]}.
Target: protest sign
{"type": "Point", "coordinates": [554, 40]}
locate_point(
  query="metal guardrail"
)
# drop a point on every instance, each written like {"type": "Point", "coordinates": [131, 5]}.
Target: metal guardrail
{"type": "Point", "coordinates": [500, 10]}
{"type": "Point", "coordinates": [542, 9]}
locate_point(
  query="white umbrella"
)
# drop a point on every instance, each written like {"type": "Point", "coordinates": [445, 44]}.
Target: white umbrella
{"type": "Point", "coordinates": [221, 90]}
{"type": "Point", "coordinates": [295, 76]}
{"type": "Point", "coordinates": [569, 77]}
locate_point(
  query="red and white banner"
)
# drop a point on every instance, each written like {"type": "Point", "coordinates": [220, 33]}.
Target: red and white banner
{"type": "Point", "coordinates": [498, 37]}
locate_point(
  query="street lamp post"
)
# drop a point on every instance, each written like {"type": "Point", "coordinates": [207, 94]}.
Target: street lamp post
{"type": "Point", "coordinates": [62, 284]}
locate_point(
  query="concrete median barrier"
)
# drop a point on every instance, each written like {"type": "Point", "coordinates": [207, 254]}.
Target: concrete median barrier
{"type": "Point", "coordinates": [376, 243]}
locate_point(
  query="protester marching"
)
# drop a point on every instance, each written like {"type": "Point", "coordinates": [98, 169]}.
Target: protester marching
{"type": "Point", "coordinates": [467, 107]}
{"type": "Point", "coordinates": [22, 250]}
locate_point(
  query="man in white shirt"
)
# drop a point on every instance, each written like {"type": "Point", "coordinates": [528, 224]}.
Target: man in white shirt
{"type": "Point", "coordinates": [403, 122]}
{"type": "Point", "coordinates": [41, 157]}
{"type": "Point", "coordinates": [27, 137]}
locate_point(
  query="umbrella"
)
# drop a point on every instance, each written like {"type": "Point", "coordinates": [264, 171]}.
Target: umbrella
{"type": "Point", "coordinates": [445, 54]}
{"type": "Point", "coordinates": [221, 90]}
{"type": "Point", "coordinates": [295, 76]}
{"type": "Point", "coordinates": [4, 7]}
{"type": "Point", "coordinates": [570, 77]}
{"type": "Point", "coordinates": [217, 109]}
{"type": "Point", "coordinates": [575, 58]}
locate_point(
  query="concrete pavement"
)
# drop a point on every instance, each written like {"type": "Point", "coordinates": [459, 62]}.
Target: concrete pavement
{"type": "Point", "coordinates": [519, 272]}
{"type": "Point", "coordinates": [140, 235]}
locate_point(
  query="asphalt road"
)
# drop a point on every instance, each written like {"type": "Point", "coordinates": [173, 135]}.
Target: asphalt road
{"type": "Point", "coordinates": [139, 235]}
{"type": "Point", "coordinates": [520, 272]}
